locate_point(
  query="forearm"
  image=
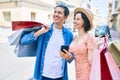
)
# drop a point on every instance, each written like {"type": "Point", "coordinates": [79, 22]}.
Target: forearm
{"type": "Point", "coordinates": [41, 31]}
{"type": "Point", "coordinates": [90, 56]}
{"type": "Point", "coordinates": [28, 39]}
{"type": "Point", "coordinates": [38, 33]}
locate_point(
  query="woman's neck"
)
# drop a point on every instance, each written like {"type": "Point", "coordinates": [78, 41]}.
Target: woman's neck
{"type": "Point", "coordinates": [81, 32]}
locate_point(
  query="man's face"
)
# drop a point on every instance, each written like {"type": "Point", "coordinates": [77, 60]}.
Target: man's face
{"type": "Point", "coordinates": [58, 15]}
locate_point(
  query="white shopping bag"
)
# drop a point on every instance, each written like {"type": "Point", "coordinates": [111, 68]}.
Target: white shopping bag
{"type": "Point", "coordinates": [23, 50]}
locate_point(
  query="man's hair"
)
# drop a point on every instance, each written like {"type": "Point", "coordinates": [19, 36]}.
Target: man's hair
{"type": "Point", "coordinates": [66, 10]}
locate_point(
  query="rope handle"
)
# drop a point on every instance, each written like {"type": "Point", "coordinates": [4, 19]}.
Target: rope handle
{"type": "Point", "coordinates": [105, 43]}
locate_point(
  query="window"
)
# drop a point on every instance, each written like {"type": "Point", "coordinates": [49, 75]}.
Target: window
{"type": "Point", "coordinates": [33, 14]}
{"type": "Point", "coordinates": [49, 16]}
{"type": "Point", "coordinates": [116, 2]}
{"type": "Point", "coordinates": [7, 16]}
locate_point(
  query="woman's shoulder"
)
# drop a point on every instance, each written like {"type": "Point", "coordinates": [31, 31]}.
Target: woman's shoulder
{"type": "Point", "coordinates": [90, 35]}
{"type": "Point", "coordinates": [90, 38]}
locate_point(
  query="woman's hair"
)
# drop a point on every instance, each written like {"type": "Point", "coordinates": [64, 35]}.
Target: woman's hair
{"type": "Point", "coordinates": [66, 10]}
{"type": "Point", "coordinates": [86, 24]}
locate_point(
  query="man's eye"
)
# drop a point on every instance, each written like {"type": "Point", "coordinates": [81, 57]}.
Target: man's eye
{"type": "Point", "coordinates": [59, 13]}
{"type": "Point", "coordinates": [54, 11]}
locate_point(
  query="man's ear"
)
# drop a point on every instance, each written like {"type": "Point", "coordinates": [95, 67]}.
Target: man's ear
{"type": "Point", "coordinates": [66, 17]}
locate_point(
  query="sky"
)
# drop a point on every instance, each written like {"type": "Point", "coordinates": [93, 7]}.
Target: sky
{"type": "Point", "coordinates": [102, 6]}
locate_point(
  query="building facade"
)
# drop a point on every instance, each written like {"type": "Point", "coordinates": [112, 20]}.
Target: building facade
{"type": "Point", "coordinates": [36, 10]}
{"type": "Point", "coordinates": [25, 10]}
{"type": "Point", "coordinates": [114, 15]}
{"type": "Point", "coordinates": [118, 17]}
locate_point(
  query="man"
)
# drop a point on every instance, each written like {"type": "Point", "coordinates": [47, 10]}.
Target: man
{"type": "Point", "coordinates": [49, 65]}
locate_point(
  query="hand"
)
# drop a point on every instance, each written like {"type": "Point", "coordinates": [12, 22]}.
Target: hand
{"type": "Point", "coordinates": [66, 55]}
{"type": "Point", "coordinates": [107, 36]}
{"type": "Point", "coordinates": [44, 29]}
{"type": "Point", "coordinates": [100, 40]}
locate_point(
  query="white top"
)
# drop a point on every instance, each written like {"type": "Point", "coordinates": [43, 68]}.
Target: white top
{"type": "Point", "coordinates": [53, 61]}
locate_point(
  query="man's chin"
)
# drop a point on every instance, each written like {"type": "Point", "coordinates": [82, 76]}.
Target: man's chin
{"type": "Point", "coordinates": [56, 22]}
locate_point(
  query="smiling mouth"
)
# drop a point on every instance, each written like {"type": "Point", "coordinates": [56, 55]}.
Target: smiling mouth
{"type": "Point", "coordinates": [56, 18]}
{"type": "Point", "coordinates": [75, 24]}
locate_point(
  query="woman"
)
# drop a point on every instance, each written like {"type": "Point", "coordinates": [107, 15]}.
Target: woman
{"type": "Point", "coordinates": [83, 44]}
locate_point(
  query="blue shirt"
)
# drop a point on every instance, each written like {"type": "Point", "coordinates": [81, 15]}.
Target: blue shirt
{"type": "Point", "coordinates": [42, 42]}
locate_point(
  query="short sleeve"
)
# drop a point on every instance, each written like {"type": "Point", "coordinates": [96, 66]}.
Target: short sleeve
{"type": "Point", "coordinates": [91, 42]}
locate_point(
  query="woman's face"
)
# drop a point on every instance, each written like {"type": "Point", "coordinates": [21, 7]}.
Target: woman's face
{"type": "Point", "coordinates": [78, 21]}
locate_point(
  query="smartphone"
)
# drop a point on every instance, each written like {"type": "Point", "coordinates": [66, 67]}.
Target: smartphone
{"type": "Point", "coordinates": [64, 47]}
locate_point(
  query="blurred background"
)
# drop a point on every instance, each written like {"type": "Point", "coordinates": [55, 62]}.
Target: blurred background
{"type": "Point", "coordinates": [105, 12]}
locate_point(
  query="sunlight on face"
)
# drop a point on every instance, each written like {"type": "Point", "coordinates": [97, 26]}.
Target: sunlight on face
{"type": "Point", "coordinates": [78, 21]}
{"type": "Point", "coordinates": [58, 15]}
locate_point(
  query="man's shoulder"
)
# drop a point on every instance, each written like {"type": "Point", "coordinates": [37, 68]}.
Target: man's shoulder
{"type": "Point", "coordinates": [67, 29]}
{"type": "Point", "coordinates": [68, 32]}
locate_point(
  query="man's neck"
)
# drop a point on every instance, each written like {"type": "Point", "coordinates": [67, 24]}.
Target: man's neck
{"type": "Point", "coordinates": [58, 26]}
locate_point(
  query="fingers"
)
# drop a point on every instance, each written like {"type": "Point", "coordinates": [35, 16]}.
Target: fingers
{"type": "Point", "coordinates": [65, 51]}
{"type": "Point", "coordinates": [65, 55]}
{"type": "Point", "coordinates": [46, 26]}
{"type": "Point", "coordinates": [107, 36]}
{"type": "Point", "coordinates": [62, 54]}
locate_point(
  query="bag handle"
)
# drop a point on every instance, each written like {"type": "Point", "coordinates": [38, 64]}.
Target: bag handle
{"type": "Point", "coordinates": [105, 42]}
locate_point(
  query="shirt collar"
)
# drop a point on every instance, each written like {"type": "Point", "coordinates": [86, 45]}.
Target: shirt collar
{"type": "Point", "coordinates": [63, 28]}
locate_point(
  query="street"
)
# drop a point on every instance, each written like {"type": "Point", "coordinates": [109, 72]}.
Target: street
{"type": "Point", "coordinates": [19, 68]}
{"type": "Point", "coordinates": [12, 67]}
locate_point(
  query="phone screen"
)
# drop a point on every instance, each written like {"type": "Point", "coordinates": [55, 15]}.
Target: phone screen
{"type": "Point", "coordinates": [64, 47]}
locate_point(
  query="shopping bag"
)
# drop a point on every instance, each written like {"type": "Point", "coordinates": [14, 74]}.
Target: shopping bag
{"type": "Point", "coordinates": [16, 25]}
{"type": "Point", "coordinates": [14, 38]}
{"type": "Point", "coordinates": [23, 50]}
{"type": "Point", "coordinates": [105, 71]}
{"type": "Point", "coordinates": [114, 49]}
{"type": "Point", "coordinates": [114, 70]}
{"type": "Point", "coordinates": [103, 65]}
{"type": "Point", "coordinates": [95, 73]}
{"type": "Point", "coordinates": [26, 50]}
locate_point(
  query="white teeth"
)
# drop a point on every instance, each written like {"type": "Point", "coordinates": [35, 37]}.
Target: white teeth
{"type": "Point", "coordinates": [75, 24]}
{"type": "Point", "coordinates": [56, 17]}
